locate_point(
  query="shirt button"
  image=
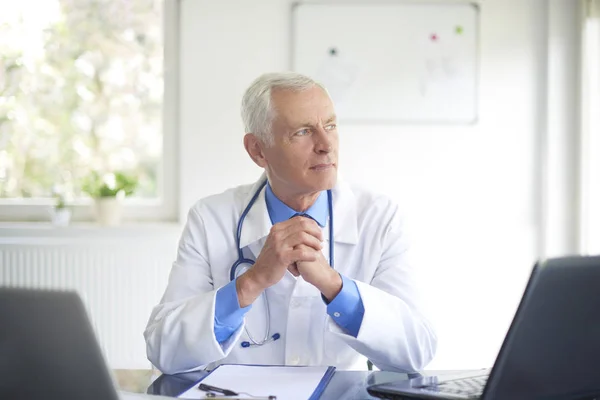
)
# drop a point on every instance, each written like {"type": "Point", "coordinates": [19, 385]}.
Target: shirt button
{"type": "Point", "coordinates": [295, 360]}
{"type": "Point", "coordinates": [295, 303]}
{"type": "Point", "coordinates": [336, 314]}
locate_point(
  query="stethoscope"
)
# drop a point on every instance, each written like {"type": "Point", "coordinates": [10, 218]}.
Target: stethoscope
{"type": "Point", "coordinates": [242, 260]}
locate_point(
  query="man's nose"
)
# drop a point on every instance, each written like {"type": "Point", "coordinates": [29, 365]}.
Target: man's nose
{"type": "Point", "coordinates": [323, 141]}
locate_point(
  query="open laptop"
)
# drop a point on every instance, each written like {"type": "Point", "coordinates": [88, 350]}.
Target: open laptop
{"type": "Point", "coordinates": [551, 350]}
{"type": "Point", "coordinates": [48, 349]}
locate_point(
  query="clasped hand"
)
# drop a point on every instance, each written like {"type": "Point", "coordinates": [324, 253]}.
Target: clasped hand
{"type": "Point", "coordinates": [293, 245]}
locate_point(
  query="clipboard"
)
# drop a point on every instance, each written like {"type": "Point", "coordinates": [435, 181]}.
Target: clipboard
{"type": "Point", "coordinates": [284, 382]}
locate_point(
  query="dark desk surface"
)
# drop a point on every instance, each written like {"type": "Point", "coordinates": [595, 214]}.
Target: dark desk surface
{"type": "Point", "coordinates": [345, 385]}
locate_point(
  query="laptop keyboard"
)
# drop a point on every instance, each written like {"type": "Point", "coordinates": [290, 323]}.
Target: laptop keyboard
{"type": "Point", "coordinates": [470, 388]}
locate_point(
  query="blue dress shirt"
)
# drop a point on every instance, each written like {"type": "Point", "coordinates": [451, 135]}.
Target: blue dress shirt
{"type": "Point", "coordinates": [346, 309]}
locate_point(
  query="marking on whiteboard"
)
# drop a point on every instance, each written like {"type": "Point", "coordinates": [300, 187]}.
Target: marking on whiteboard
{"type": "Point", "coordinates": [459, 30]}
{"type": "Point", "coordinates": [434, 37]}
{"type": "Point", "coordinates": [338, 74]}
{"type": "Point", "coordinates": [437, 71]}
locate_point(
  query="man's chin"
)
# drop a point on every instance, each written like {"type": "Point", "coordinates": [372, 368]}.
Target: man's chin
{"type": "Point", "coordinates": [326, 183]}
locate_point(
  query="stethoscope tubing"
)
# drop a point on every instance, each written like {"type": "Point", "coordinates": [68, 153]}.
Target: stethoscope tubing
{"type": "Point", "coordinates": [242, 260]}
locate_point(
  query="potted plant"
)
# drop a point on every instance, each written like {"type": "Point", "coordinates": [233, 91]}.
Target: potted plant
{"type": "Point", "coordinates": [108, 191]}
{"type": "Point", "coordinates": [60, 213]}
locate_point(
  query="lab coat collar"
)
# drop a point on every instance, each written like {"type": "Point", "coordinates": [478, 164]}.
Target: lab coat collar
{"type": "Point", "coordinates": [257, 224]}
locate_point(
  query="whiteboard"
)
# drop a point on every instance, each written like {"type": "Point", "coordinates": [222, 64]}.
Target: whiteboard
{"type": "Point", "coordinates": [391, 63]}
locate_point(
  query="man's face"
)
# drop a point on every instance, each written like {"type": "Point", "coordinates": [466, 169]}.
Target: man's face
{"type": "Point", "coordinates": [304, 155]}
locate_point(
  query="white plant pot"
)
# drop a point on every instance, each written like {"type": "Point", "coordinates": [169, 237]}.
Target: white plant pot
{"type": "Point", "coordinates": [60, 216]}
{"type": "Point", "coordinates": [108, 210]}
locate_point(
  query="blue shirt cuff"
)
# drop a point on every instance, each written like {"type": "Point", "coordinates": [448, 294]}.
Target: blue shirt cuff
{"type": "Point", "coordinates": [347, 308]}
{"type": "Point", "coordinates": [228, 313]}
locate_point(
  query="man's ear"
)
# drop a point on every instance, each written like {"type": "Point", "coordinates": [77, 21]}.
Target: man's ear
{"type": "Point", "coordinates": [254, 147]}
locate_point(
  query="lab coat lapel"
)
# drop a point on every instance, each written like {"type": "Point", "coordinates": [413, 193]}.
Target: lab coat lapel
{"type": "Point", "coordinates": [345, 218]}
{"type": "Point", "coordinates": [257, 224]}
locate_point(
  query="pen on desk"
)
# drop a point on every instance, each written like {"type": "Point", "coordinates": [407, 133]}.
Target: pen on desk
{"type": "Point", "coordinates": [213, 396]}
{"type": "Point", "coordinates": [228, 394]}
{"type": "Point", "coordinates": [208, 388]}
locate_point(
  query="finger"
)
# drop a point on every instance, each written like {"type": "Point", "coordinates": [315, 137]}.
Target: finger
{"type": "Point", "coordinates": [303, 238]}
{"type": "Point", "coordinates": [303, 253]}
{"type": "Point", "coordinates": [302, 224]}
{"type": "Point", "coordinates": [293, 268]}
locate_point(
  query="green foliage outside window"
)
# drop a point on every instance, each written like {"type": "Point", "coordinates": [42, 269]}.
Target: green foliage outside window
{"type": "Point", "coordinates": [81, 93]}
{"type": "Point", "coordinates": [110, 185]}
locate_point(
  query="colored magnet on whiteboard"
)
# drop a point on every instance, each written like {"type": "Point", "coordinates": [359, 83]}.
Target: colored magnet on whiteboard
{"type": "Point", "coordinates": [459, 30]}
{"type": "Point", "coordinates": [333, 51]}
{"type": "Point", "coordinates": [434, 37]}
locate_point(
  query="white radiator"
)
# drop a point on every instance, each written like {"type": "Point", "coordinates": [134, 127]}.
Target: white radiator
{"type": "Point", "coordinates": [119, 279]}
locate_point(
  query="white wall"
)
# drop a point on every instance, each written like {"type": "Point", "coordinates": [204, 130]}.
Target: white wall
{"type": "Point", "coordinates": [561, 231]}
{"type": "Point", "coordinates": [472, 194]}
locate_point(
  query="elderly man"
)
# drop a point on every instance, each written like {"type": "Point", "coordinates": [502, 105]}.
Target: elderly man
{"type": "Point", "coordinates": [296, 269]}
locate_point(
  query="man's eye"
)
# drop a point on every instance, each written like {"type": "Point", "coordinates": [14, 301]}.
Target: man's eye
{"type": "Point", "coordinates": [302, 132]}
{"type": "Point", "coordinates": [331, 127]}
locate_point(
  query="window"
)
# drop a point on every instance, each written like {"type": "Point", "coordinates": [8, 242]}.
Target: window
{"type": "Point", "coordinates": [591, 129]}
{"type": "Point", "coordinates": [83, 92]}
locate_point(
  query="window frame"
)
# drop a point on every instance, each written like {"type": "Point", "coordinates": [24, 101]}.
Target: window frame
{"type": "Point", "coordinates": [164, 208]}
{"type": "Point", "coordinates": [590, 132]}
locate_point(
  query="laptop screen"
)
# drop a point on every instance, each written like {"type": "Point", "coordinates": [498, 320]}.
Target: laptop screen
{"type": "Point", "coordinates": [48, 349]}
{"type": "Point", "coordinates": [553, 346]}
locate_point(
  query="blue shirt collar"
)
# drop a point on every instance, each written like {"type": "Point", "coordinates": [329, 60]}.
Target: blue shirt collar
{"type": "Point", "coordinates": [279, 211]}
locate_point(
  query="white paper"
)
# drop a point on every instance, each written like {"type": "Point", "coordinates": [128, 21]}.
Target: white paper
{"type": "Point", "coordinates": [140, 396]}
{"type": "Point", "coordinates": [287, 383]}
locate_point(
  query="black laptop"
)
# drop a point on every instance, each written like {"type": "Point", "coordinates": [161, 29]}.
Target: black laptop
{"type": "Point", "coordinates": [48, 349]}
{"type": "Point", "coordinates": [551, 350]}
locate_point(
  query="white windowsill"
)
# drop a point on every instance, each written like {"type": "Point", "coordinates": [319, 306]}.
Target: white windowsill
{"type": "Point", "coordinates": [45, 232]}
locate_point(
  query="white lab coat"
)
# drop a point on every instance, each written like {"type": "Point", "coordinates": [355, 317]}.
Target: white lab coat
{"type": "Point", "coordinates": [370, 248]}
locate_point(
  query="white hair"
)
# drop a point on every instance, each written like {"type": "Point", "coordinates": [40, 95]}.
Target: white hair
{"type": "Point", "coordinates": [257, 108]}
